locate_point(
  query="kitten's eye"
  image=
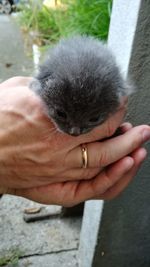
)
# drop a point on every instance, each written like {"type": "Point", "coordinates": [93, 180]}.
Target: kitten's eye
{"type": "Point", "coordinates": [61, 114]}
{"type": "Point", "coordinates": [94, 119]}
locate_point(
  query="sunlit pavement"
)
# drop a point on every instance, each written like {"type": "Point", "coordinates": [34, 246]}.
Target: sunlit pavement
{"type": "Point", "coordinates": [13, 60]}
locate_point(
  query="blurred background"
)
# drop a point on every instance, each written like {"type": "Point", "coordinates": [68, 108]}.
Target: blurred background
{"type": "Point", "coordinates": [51, 19]}
{"type": "Point", "coordinates": [42, 23]}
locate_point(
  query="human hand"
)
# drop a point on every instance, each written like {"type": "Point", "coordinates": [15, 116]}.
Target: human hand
{"type": "Point", "coordinates": [108, 184]}
{"type": "Point", "coordinates": [34, 152]}
{"type": "Point", "coordinates": [37, 159]}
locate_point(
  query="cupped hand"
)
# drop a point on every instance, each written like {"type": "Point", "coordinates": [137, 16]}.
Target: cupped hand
{"type": "Point", "coordinates": [108, 184]}
{"type": "Point", "coordinates": [33, 150]}
{"type": "Point", "coordinates": [41, 163]}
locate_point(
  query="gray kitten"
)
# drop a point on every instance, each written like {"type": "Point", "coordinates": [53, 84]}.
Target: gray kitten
{"type": "Point", "coordinates": [80, 84]}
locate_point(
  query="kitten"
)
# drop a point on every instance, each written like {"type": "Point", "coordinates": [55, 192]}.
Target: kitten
{"type": "Point", "coordinates": [80, 84]}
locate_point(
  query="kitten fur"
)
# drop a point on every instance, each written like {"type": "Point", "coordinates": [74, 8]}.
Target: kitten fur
{"type": "Point", "coordinates": [80, 84]}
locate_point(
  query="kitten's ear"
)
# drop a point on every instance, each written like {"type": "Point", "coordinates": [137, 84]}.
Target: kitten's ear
{"type": "Point", "coordinates": [128, 89]}
{"type": "Point", "coordinates": [123, 102]}
{"type": "Point", "coordinates": [44, 71]}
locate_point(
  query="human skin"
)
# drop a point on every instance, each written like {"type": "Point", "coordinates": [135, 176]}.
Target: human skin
{"type": "Point", "coordinates": [42, 164]}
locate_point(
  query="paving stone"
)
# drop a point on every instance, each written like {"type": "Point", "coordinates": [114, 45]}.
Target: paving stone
{"type": "Point", "coordinates": [50, 235]}
{"type": "Point", "coordinates": [62, 259]}
{"type": "Point", "coordinates": [13, 56]}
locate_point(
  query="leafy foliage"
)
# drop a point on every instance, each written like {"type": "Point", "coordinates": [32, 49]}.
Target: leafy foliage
{"type": "Point", "coordinates": [68, 17]}
{"type": "Point", "coordinates": [88, 17]}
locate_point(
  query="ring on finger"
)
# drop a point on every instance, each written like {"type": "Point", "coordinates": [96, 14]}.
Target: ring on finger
{"type": "Point", "coordinates": [84, 153]}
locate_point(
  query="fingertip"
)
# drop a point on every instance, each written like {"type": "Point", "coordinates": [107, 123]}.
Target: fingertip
{"type": "Point", "coordinates": [120, 168]}
{"type": "Point", "coordinates": [146, 134]}
{"type": "Point", "coordinates": [126, 126]}
{"type": "Point", "coordinates": [128, 162]}
{"type": "Point", "coordinates": [140, 154]}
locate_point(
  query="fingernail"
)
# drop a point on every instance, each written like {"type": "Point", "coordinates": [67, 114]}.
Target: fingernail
{"type": "Point", "coordinates": [129, 162]}
{"type": "Point", "coordinates": [146, 135]}
{"type": "Point", "coordinates": [142, 153]}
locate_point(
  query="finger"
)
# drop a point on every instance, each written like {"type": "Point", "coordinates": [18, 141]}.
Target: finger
{"type": "Point", "coordinates": [72, 193]}
{"type": "Point", "coordinates": [115, 190]}
{"type": "Point", "coordinates": [64, 176]}
{"type": "Point", "coordinates": [122, 129]}
{"type": "Point", "coordinates": [104, 180]}
{"type": "Point", "coordinates": [16, 81]}
{"type": "Point", "coordinates": [101, 154]}
{"type": "Point", "coordinates": [79, 174]}
{"type": "Point", "coordinates": [104, 130]}
{"type": "Point", "coordinates": [123, 101]}
{"type": "Point", "coordinates": [126, 126]}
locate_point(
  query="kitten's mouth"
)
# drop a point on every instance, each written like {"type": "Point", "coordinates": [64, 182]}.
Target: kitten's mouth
{"type": "Point", "coordinates": [76, 131]}
{"type": "Point", "coordinates": [74, 134]}
{"type": "Point", "coordinates": [73, 131]}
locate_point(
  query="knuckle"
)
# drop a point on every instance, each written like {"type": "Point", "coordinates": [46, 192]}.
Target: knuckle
{"type": "Point", "coordinates": [103, 158]}
{"type": "Point", "coordinates": [107, 181]}
{"type": "Point", "coordinates": [110, 129]}
{"type": "Point", "coordinates": [85, 174]}
{"type": "Point", "coordinates": [137, 141]}
{"type": "Point", "coordinates": [89, 174]}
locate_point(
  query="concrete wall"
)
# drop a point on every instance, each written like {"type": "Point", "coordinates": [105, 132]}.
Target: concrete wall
{"type": "Point", "coordinates": [123, 229]}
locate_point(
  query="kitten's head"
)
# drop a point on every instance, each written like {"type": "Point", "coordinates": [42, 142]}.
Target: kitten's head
{"type": "Point", "coordinates": [80, 85]}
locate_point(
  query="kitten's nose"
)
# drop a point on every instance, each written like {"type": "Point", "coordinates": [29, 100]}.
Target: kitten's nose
{"type": "Point", "coordinates": [75, 131]}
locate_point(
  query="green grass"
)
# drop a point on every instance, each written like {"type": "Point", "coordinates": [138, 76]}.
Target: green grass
{"type": "Point", "coordinates": [73, 16]}
{"type": "Point", "coordinates": [88, 17]}
{"type": "Point", "coordinates": [10, 258]}
{"type": "Point", "coordinates": [42, 20]}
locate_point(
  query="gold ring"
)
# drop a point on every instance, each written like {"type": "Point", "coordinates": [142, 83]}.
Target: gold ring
{"type": "Point", "coordinates": [84, 156]}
